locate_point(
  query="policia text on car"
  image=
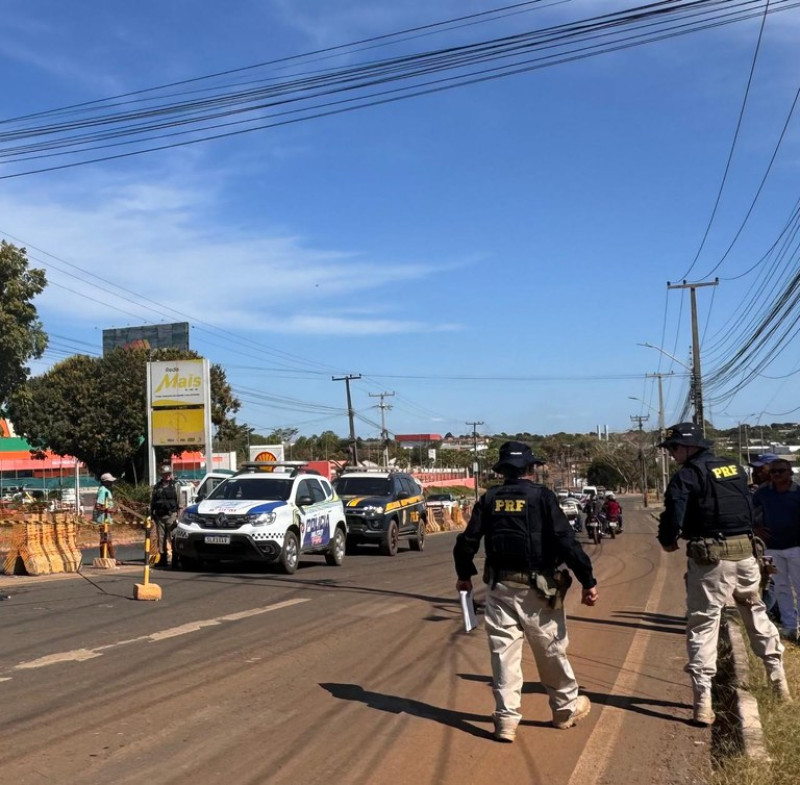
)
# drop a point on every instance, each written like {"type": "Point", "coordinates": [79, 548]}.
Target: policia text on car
{"type": "Point", "coordinates": [526, 537]}
{"type": "Point", "coordinates": [708, 503]}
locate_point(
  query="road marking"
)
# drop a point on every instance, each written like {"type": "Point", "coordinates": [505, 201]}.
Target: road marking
{"type": "Point", "coordinates": [597, 752]}
{"type": "Point", "coordinates": [81, 655]}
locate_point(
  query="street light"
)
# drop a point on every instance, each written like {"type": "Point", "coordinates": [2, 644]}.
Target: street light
{"type": "Point", "coordinates": [664, 352]}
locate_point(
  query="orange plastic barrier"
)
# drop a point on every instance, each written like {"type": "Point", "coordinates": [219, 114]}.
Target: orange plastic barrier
{"type": "Point", "coordinates": [42, 543]}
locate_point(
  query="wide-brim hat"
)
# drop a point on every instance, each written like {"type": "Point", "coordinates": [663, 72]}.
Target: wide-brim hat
{"type": "Point", "coordinates": [685, 434]}
{"type": "Point", "coordinates": [516, 455]}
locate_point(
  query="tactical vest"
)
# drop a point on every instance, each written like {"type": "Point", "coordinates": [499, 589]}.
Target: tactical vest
{"type": "Point", "coordinates": [723, 506]}
{"type": "Point", "coordinates": [165, 498]}
{"type": "Point", "coordinates": [514, 540]}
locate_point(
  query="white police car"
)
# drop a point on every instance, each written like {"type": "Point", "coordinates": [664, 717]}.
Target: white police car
{"type": "Point", "coordinates": [264, 513]}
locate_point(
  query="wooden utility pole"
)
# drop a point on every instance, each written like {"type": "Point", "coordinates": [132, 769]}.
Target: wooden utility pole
{"type": "Point", "coordinates": [661, 426]}
{"type": "Point", "coordinates": [697, 387]}
{"type": "Point", "coordinates": [476, 464]}
{"type": "Point", "coordinates": [350, 414]}
{"type": "Point", "coordinates": [642, 418]}
{"type": "Point", "coordinates": [384, 433]}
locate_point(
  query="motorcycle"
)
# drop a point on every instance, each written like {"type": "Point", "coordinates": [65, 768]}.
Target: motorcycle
{"type": "Point", "coordinates": [593, 528]}
{"type": "Point", "coordinates": [609, 526]}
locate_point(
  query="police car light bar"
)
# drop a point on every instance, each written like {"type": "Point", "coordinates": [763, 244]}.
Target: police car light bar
{"type": "Point", "coordinates": [250, 466]}
{"type": "Point", "coordinates": [370, 470]}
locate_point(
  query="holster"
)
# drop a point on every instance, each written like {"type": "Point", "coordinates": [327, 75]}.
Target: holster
{"type": "Point", "coordinates": [765, 564]}
{"type": "Point", "coordinates": [552, 587]}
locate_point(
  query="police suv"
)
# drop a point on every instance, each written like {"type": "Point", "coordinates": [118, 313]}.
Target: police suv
{"type": "Point", "coordinates": [267, 512]}
{"type": "Point", "coordinates": [381, 507]}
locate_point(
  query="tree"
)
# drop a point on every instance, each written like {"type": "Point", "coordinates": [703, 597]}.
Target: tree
{"type": "Point", "coordinates": [95, 408]}
{"type": "Point", "coordinates": [21, 335]}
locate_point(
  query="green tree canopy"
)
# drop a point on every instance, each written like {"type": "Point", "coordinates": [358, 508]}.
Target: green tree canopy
{"type": "Point", "coordinates": [95, 408]}
{"type": "Point", "coordinates": [21, 335]}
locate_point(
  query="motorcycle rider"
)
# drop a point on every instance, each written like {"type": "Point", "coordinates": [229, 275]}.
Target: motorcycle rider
{"type": "Point", "coordinates": [592, 508]}
{"type": "Point", "coordinates": [612, 509]}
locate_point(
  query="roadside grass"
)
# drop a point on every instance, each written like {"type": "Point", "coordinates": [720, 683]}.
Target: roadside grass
{"type": "Point", "coordinates": [781, 724]}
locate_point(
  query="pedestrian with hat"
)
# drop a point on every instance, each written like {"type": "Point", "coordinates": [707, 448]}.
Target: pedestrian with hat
{"type": "Point", "coordinates": [164, 512]}
{"type": "Point", "coordinates": [708, 504]}
{"type": "Point", "coordinates": [760, 467]}
{"type": "Point", "coordinates": [103, 515]}
{"type": "Point", "coordinates": [526, 540]}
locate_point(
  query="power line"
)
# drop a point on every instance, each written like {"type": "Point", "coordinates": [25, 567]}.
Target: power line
{"type": "Point", "coordinates": [733, 144]}
{"type": "Point", "coordinates": [303, 98]}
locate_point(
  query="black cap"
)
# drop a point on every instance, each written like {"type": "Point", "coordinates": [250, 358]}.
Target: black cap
{"type": "Point", "coordinates": [686, 434]}
{"type": "Point", "coordinates": [516, 455]}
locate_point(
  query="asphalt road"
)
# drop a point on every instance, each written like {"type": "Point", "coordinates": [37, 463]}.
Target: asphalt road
{"type": "Point", "coordinates": [353, 674]}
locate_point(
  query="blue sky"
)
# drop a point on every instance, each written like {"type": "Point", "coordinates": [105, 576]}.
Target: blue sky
{"type": "Point", "coordinates": [493, 253]}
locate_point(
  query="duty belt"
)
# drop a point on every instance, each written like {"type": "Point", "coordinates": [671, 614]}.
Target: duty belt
{"type": "Point", "coordinates": [710, 550]}
{"type": "Point", "coordinates": [508, 576]}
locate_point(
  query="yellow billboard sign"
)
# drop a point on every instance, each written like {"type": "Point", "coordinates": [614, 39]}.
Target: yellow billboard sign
{"type": "Point", "coordinates": [173, 427]}
{"type": "Point", "coordinates": [177, 383]}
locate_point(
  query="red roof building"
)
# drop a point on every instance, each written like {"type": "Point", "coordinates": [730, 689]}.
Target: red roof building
{"type": "Point", "coordinates": [409, 440]}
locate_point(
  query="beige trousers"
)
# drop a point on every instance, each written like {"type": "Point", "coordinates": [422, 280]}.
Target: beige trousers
{"type": "Point", "coordinates": [709, 588]}
{"type": "Point", "coordinates": [516, 612]}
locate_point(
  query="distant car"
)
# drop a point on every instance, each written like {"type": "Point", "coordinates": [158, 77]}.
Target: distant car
{"type": "Point", "coordinates": [562, 493]}
{"type": "Point", "coordinates": [447, 501]}
{"type": "Point", "coordinates": [572, 508]}
{"type": "Point", "coordinates": [266, 516]}
{"type": "Point", "coordinates": [211, 481]}
{"type": "Point", "coordinates": [381, 507]}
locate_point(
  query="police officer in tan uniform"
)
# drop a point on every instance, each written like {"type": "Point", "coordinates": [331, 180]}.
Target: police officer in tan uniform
{"type": "Point", "coordinates": [708, 503]}
{"type": "Point", "coordinates": [527, 537]}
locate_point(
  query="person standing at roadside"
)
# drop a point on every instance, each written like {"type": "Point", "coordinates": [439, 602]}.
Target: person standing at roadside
{"type": "Point", "coordinates": [760, 476]}
{"type": "Point", "coordinates": [777, 511]}
{"type": "Point", "coordinates": [164, 512]}
{"type": "Point", "coordinates": [103, 515]}
{"type": "Point", "coordinates": [526, 537]}
{"type": "Point", "coordinates": [708, 503]}
{"type": "Point", "coordinates": [760, 467]}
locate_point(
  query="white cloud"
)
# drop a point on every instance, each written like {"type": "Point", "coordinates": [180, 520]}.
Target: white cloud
{"type": "Point", "coordinates": [340, 325]}
{"type": "Point", "coordinates": [164, 242]}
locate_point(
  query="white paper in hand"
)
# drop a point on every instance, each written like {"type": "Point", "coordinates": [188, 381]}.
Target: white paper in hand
{"type": "Point", "coordinates": [468, 611]}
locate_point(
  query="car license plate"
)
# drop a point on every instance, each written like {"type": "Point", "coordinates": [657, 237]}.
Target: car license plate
{"type": "Point", "coordinates": [218, 539]}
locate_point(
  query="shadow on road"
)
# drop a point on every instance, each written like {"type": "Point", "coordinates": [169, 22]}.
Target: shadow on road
{"type": "Point", "coordinates": [645, 624]}
{"type": "Point", "coordinates": [394, 704]}
{"type": "Point", "coordinates": [639, 705]}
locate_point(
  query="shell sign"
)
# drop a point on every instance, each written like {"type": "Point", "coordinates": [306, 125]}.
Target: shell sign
{"type": "Point", "coordinates": [5, 430]}
{"type": "Point", "coordinates": [266, 452]}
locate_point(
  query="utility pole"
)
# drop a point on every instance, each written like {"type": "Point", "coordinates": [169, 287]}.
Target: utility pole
{"type": "Point", "coordinates": [384, 433]}
{"type": "Point", "coordinates": [697, 386]}
{"type": "Point", "coordinates": [642, 418]}
{"type": "Point", "coordinates": [350, 414]}
{"type": "Point", "coordinates": [661, 426]}
{"type": "Point", "coordinates": [475, 465]}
